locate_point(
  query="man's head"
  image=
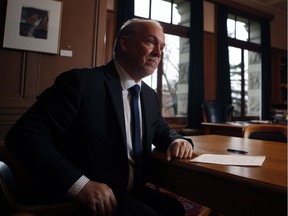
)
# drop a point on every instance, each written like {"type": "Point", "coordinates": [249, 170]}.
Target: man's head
{"type": "Point", "coordinates": [138, 47]}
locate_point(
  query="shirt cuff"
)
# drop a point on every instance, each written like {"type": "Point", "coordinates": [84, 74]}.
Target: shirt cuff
{"type": "Point", "coordinates": [77, 186]}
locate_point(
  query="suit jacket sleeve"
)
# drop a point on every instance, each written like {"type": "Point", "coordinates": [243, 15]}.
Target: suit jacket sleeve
{"type": "Point", "coordinates": [31, 137]}
{"type": "Point", "coordinates": [156, 125]}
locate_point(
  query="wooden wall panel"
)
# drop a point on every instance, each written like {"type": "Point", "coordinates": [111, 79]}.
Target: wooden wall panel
{"type": "Point", "coordinates": [110, 34]}
{"type": "Point", "coordinates": [25, 74]}
{"type": "Point", "coordinates": [277, 54]}
{"type": "Point", "coordinates": [209, 66]}
{"type": "Point", "coordinates": [11, 76]}
{"type": "Point", "coordinates": [77, 35]}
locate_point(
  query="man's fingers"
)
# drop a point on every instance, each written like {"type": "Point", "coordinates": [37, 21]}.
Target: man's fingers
{"type": "Point", "coordinates": [99, 198]}
{"type": "Point", "coordinates": [168, 154]}
{"type": "Point", "coordinates": [180, 149]}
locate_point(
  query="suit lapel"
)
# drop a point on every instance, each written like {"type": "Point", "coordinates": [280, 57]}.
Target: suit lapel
{"type": "Point", "coordinates": [115, 91]}
{"type": "Point", "coordinates": [145, 107]}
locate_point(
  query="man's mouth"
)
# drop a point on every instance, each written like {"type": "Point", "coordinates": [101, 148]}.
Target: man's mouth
{"type": "Point", "coordinates": [153, 62]}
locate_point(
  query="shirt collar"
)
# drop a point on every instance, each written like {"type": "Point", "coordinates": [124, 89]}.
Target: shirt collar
{"type": "Point", "coordinates": [126, 80]}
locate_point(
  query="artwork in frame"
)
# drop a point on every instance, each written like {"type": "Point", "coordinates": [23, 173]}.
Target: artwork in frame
{"type": "Point", "coordinates": [33, 25]}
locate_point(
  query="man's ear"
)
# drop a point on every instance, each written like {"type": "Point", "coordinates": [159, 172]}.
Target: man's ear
{"type": "Point", "coordinates": [123, 43]}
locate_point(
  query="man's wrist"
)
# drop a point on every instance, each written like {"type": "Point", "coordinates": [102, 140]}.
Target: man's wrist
{"type": "Point", "coordinates": [77, 186]}
{"type": "Point", "coordinates": [181, 140]}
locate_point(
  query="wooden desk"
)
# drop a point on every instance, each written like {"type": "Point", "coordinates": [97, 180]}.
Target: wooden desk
{"type": "Point", "coordinates": [232, 190]}
{"type": "Point", "coordinates": [226, 129]}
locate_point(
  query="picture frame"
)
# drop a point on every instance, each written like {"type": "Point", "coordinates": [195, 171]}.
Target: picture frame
{"type": "Point", "coordinates": [33, 25]}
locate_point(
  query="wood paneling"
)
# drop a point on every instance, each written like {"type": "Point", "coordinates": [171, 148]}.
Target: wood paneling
{"type": "Point", "coordinates": [12, 72]}
{"type": "Point", "coordinates": [277, 54]}
{"type": "Point", "coordinates": [210, 66]}
{"type": "Point", "coordinates": [110, 35]}
{"type": "Point", "coordinates": [24, 75]}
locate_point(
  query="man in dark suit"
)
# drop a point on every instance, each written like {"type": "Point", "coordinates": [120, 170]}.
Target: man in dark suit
{"type": "Point", "coordinates": [76, 139]}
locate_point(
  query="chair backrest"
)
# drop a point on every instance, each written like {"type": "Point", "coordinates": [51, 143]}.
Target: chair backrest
{"type": "Point", "coordinates": [7, 179]}
{"type": "Point", "coordinates": [13, 180]}
{"type": "Point", "coordinates": [8, 189]}
{"type": "Point", "coordinates": [215, 111]}
{"type": "Point", "coordinates": [277, 133]}
{"type": "Point", "coordinates": [21, 179]}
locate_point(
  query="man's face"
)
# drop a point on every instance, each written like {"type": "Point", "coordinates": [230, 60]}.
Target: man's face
{"type": "Point", "coordinates": [144, 50]}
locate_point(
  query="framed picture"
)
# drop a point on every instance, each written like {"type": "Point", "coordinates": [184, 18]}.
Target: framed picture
{"type": "Point", "coordinates": [33, 25]}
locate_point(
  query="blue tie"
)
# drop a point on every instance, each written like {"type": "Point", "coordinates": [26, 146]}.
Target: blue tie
{"type": "Point", "coordinates": [136, 137]}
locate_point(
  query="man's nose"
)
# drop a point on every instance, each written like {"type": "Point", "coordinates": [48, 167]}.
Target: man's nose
{"type": "Point", "coordinates": [157, 50]}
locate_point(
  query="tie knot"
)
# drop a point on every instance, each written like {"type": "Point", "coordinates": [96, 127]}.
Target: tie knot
{"type": "Point", "coordinates": [135, 90]}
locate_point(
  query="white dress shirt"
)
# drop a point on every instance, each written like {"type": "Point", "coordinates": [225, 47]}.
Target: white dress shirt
{"type": "Point", "coordinates": [126, 83]}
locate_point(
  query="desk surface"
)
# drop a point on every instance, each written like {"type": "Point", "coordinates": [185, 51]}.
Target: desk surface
{"type": "Point", "coordinates": [258, 189]}
{"type": "Point", "coordinates": [237, 124]}
{"type": "Point", "coordinates": [228, 128]}
{"type": "Point", "coordinates": [227, 124]}
{"type": "Point", "coordinates": [275, 162]}
{"type": "Point", "coordinates": [225, 128]}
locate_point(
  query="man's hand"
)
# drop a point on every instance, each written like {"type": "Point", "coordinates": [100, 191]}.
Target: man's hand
{"type": "Point", "coordinates": [98, 197]}
{"type": "Point", "coordinates": [179, 149]}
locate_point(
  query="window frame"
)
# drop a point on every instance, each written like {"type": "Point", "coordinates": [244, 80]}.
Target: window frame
{"type": "Point", "coordinates": [244, 45]}
{"type": "Point", "coordinates": [177, 30]}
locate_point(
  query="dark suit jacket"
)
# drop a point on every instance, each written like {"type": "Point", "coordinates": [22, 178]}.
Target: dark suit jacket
{"type": "Point", "coordinates": [77, 127]}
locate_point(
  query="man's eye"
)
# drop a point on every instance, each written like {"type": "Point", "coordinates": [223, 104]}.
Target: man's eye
{"type": "Point", "coordinates": [150, 42]}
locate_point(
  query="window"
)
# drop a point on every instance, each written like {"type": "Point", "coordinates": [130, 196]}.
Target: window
{"type": "Point", "coordinates": [243, 29]}
{"type": "Point", "coordinates": [171, 78]}
{"type": "Point", "coordinates": [245, 65]}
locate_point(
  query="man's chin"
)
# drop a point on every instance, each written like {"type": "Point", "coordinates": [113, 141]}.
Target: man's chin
{"type": "Point", "coordinates": [147, 73]}
{"type": "Point", "coordinates": [151, 69]}
{"type": "Point", "coordinates": [150, 72]}
{"type": "Point", "coordinates": [151, 65]}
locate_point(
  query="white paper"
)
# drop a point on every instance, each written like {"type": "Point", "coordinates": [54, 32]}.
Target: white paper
{"type": "Point", "coordinates": [238, 160]}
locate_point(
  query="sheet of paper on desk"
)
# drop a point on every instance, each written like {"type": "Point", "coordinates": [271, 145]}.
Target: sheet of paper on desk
{"type": "Point", "coordinates": [238, 160]}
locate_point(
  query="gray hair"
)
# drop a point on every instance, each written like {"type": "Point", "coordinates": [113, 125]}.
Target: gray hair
{"type": "Point", "coordinates": [128, 28]}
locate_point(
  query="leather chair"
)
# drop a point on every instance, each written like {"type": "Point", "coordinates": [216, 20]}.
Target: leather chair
{"type": "Point", "coordinates": [214, 111]}
{"type": "Point", "coordinates": [276, 133]}
{"type": "Point", "coordinates": [14, 180]}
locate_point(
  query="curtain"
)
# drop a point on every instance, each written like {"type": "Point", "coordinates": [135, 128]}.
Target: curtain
{"type": "Point", "coordinates": [266, 70]}
{"type": "Point", "coordinates": [196, 65]}
{"type": "Point", "coordinates": [125, 11]}
{"type": "Point", "coordinates": [223, 68]}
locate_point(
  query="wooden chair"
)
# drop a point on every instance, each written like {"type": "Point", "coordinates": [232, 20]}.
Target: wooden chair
{"type": "Point", "coordinates": [214, 111]}
{"type": "Point", "coordinates": [277, 133]}
{"type": "Point", "coordinates": [13, 180]}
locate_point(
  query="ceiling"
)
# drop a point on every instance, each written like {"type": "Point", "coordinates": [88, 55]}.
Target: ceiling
{"type": "Point", "coordinates": [275, 5]}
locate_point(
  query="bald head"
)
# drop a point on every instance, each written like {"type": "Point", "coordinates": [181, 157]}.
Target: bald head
{"type": "Point", "coordinates": [129, 28]}
{"type": "Point", "coordinates": [138, 47]}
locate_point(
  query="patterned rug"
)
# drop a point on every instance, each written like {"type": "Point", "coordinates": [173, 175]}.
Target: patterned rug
{"type": "Point", "coordinates": [191, 208]}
